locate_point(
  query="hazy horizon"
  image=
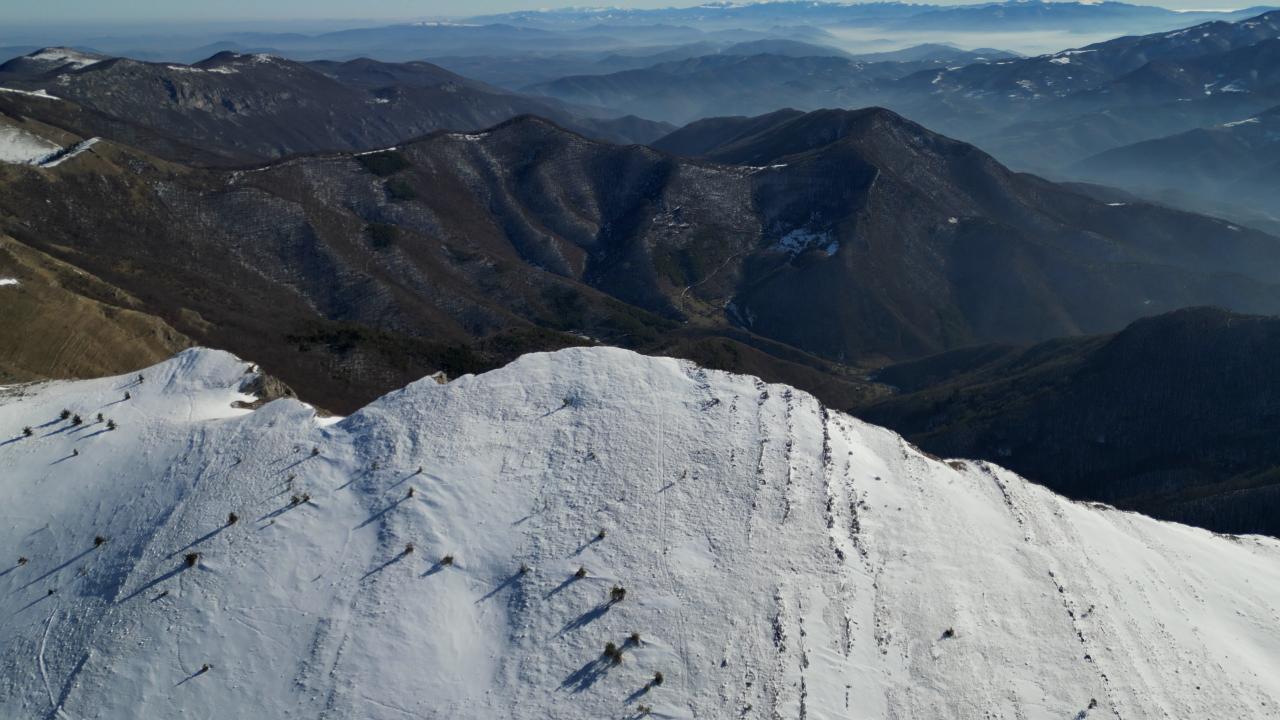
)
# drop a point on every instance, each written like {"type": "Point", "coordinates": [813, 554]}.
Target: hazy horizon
{"type": "Point", "coordinates": [115, 14]}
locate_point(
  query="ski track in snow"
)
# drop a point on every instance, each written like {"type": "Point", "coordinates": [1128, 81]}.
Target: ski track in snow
{"type": "Point", "coordinates": [780, 560]}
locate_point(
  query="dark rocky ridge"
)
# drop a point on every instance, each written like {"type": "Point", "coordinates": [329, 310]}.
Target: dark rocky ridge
{"type": "Point", "coordinates": [1176, 416]}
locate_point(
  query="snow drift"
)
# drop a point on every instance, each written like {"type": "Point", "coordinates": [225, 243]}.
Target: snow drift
{"type": "Point", "coordinates": [778, 560]}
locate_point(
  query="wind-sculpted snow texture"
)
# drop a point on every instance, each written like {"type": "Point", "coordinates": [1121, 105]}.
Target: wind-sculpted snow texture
{"type": "Point", "coordinates": [779, 560]}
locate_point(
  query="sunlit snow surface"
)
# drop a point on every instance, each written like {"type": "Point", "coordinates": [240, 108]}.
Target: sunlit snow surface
{"type": "Point", "coordinates": [778, 561]}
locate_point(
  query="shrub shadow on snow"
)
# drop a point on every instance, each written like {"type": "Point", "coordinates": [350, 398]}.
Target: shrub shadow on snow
{"type": "Point", "coordinates": [191, 677]}
{"type": "Point", "coordinates": [586, 618]}
{"type": "Point", "coordinates": [57, 569]}
{"type": "Point", "coordinates": [585, 545]}
{"type": "Point", "coordinates": [378, 515]}
{"type": "Point", "coordinates": [561, 587]}
{"type": "Point", "coordinates": [639, 693]}
{"type": "Point", "coordinates": [383, 566]}
{"type": "Point", "coordinates": [33, 603]}
{"type": "Point", "coordinates": [512, 580]}
{"type": "Point", "coordinates": [437, 567]}
{"type": "Point", "coordinates": [103, 431]}
{"type": "Point", "coordinates": [207, 536]}
{"type": "Point", "coordinates": [587, 675]}
{"type": "Point", "coordinates": [153, 583]}
{"type": "Point", "coordinates": [56, 712]}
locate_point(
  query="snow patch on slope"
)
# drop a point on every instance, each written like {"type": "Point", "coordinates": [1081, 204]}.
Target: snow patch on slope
{"type": "Point", "coordinates": [18, 146]}
{"type": "Point", "coordinates": [802, 239]}
{"type": "Point", "coordinates": [66, 57]}
{"type": "Point", "coordinates": [30, 93]}
{"type": "Point", "coordinates": [778, 559]}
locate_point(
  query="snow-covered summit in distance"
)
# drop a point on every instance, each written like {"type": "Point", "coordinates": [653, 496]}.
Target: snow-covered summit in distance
{"type": "Point", "coordinates": [452, 551]}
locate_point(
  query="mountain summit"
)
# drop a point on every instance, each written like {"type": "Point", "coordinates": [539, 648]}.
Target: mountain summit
{"type": "Point", "coordinates": [585, 534]}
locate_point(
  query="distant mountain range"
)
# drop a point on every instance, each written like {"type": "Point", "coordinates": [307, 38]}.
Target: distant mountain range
{"type": "Point", "coordinates": [1013, 15]}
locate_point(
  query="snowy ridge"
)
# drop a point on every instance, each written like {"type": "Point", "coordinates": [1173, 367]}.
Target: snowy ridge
{"type": "Point", "coordinates": [779, 560]}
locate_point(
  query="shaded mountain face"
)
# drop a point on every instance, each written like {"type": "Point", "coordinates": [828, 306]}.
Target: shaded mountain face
{"type": "Point", "coordinates": [1226, 168]}
{"type": "Point", "coordinates": [828, 239]}
{"type": "Point", "coordinates": [424, 553]}
{"type": "Point", "coordinates": [246, 107]}
{"type": "Point", "coordinates": [1175, 416]}
{"type": "Point", "coordinates": [716, 85]}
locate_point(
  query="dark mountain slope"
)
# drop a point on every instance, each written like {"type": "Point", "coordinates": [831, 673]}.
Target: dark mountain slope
{"type": "Point", "coordinates": [1175, 416]}
{"type": "Point", "coordinates": [846, 236]}
{"type": "Point", "coordinates": [247, 107]}
{"type": "Point", "coordinates": [703, 136]}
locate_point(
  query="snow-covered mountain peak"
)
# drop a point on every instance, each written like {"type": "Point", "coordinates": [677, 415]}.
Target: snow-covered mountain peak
{"type": "Point", "coordinates": [421, 558]}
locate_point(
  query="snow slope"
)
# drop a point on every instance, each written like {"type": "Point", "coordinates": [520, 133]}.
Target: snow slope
{"type": "Point", "coordinates": [19, 146]}
{"type": "Point", "coordinates": [778, 560]}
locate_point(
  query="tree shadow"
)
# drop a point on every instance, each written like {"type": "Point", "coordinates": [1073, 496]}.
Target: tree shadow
{"type": "Point", "coordinates": [437, 567]}
{"type": "Point", "coordinates": [59, 431]}
{"type": "Point", "coordinates": [512, 580]}
{"type": "Point", "coordinates": [356, 477]}
{"type": "Point", "coordinates": [153, 583]}
{"type": "Point", "coordinates": [403, 480]}
{"type": "Point", "coordinates": [55, 570]}
{"type": "Point", "coordinates": [191, 677]}
{"type": "Point", "coordinates": [562, 586]}
{"type": "Point", "coordinates": [378, 515]}
{"type": "Point", "coordinates": [586, 545]}
{"type": "Point", "coordinates": [6, 572]}
{"type": "Point", "coordinates": [12, 440]}
{"type": "Point", "coordinates": [282, 510]}
{"type": "Point", "coordinates": [63, 459]}
{"type": "Point", "coordinates": [103, 431]}
{"type": "Point", "coordinates": [586, 618]}
{"type": "Point", "coordinates": [384, 566]}
{"type": "Point", "coordinates": [587, 675]}
{"type": "Point", "coordinates": [639, 693]}
{"type": "Point", "coordinates": [54, 421]}
{"type": "Point", "coordinates": [114, 402]}
{"type": "Point", "coordinates": [209, 535]}
{"type": "Point", "coordinates": [33, 603]}
{"type": "Point", "coordinates": [296, 463]}
{"type": "Point", "coordinates": [56, 710]}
